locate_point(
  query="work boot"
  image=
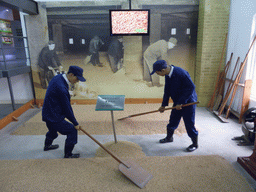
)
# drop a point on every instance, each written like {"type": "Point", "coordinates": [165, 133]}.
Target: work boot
{"type": "Point", "coordinates": [68, 152]}
{"type": "Point", "coordinates": [48, 145]}
{"type": "Point", "coordinates": [168, 138]}
{"type": "Point", "coordinates": [194, 145]}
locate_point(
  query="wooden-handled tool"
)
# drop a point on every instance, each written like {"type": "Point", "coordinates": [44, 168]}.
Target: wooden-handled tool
{"type": "Point", "coordinates": [138, 114]}
{"type": "Point", "coordinates": [135, 173]}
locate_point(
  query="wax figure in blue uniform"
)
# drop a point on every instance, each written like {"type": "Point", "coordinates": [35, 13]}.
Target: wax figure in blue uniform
{"type": "Point", "coordinates": [181, 89]}
{"type": "Point", "coordinates": [57, 107]}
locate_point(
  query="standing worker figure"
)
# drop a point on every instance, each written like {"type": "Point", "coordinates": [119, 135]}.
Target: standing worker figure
{"type": "Point", "coordinates": [154, 52]}
{"type": "Point", "coordinates": [48, 59]}
{"type": "Point", "coordinates": [181, 89]}
{"type": "Point", "coordinates": [94, 48]}
{"type": "Point", "coordinates": [116, 53]}
{"type": "Point", "coordinates": [57, 107]}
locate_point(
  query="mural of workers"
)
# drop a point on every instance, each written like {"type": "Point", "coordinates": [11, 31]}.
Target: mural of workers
{"type": "Point", "coordinates": [94, 48]}
{"type": "Point", "coordinates": [116, 53]}
{"type": "Point", "coordinates": [153, 53]}
{"type": "Point", "coordinates": [49, 64]}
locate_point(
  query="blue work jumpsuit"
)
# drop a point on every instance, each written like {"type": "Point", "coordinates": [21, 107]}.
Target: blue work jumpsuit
{"type": "Point", "coordinates": [56, 108]}
{"type": "Point", "coordinates": [181, 89]}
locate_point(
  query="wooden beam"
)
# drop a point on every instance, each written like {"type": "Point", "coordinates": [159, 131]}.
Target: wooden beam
{"type": "Point", "coordinates": [14, 115]}
{"type": "Point", "coordinates": [211, 102]}
{"type": "Point", "coordinates": [39, 102]}
{"type": "Point", "coordinates": [246, 98]}
{"type": "Point", "coordinates": [236, 80]}
{"type": "Point", "coordinates": [232, 96]}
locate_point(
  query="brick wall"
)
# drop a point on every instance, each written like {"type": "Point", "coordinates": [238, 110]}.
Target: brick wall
{"type": "Point", "coordinates": [212, 29]}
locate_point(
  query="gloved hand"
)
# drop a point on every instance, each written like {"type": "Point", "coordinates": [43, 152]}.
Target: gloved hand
{"type": "Point", "coordinates": [77, 127]}
{"type": "Point", "coordinates": [161, 109]}
{"type": "Point", "coordinates": [178, 107]}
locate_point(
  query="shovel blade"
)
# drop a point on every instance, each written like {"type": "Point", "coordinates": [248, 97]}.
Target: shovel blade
{"type": "Point", "coordinates": [223, 119]}
{"type": "Point", "coordinates": [135, 173]}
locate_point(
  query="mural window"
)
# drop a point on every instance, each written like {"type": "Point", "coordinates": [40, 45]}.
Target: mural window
{"type": "Point", "coordinates": [173, 31]}
{"type": "Point", "coordinates": [71, 41]}
{"type": "Point", "coordinates": [188, 31]}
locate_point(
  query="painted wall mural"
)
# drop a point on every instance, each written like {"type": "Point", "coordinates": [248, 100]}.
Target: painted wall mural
{"type": "Point", "coordinates": [84, 39]}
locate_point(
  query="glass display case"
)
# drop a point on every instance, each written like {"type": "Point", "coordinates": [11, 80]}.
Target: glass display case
{"type": "Point", "coordinates": [14, 53]}
{"type": "Point", "coordinates": [14, 61]}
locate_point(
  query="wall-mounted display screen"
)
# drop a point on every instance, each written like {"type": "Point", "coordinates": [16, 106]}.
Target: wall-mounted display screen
{"type": "Point", "coordinates": [129, 22]}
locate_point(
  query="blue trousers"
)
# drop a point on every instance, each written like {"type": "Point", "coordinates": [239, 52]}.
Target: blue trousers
{"type": "Point", "coordinates": [63, 127]}
{"type": "Point", "coordinates": [188, 114]}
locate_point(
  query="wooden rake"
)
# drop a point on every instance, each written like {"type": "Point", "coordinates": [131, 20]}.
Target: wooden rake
{"type": "Point", "coordinates": [211, 102]}
{"type": "Point", "coordinates": [138, 114]}
{"type": "Point", "coordinates": [236, 81]}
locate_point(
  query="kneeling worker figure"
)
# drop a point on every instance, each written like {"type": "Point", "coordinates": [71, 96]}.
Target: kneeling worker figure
{"type": "Point", "coordinates": [181, 89]}
{"type": "Point", "coordinates": [57, 107]}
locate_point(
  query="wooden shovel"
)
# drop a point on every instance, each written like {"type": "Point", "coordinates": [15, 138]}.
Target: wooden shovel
{"type": "Point", "coordinates": [236, 81]}
{"type": "Point", "coordinates": [211, 103]}
{"type": "Point", "coordinates": [138, 114]}
{"type": "Point", "coordinates": [135, 173]}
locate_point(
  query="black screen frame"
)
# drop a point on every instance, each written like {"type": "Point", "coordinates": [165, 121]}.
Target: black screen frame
{"type": "Point", "coordinates": [129, 34]}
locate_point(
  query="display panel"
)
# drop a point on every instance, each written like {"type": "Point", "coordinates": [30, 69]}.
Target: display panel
{"type": "Point", "coordinates": [129, 22]}
{"type": "Point", "coordinates": [6, 31]}
{"type": "Point", "coordinates": [106, 69]}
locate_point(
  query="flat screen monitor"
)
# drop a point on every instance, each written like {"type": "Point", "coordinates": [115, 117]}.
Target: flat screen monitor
{"type": "Point", "coordinates": [129, 22]}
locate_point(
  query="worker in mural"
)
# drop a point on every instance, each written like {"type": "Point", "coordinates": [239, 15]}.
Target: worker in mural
{"type": "Point", "coordinates": [94, 48]}
{"type": "Point", "coordinates": [154, 52]}
{"type": "Point", "coordinates": [116, 53]}
{"type": "Point", "coordinates": [57, 108]}
{"type": "Point", "coordinates": [49, 64]}
{"type": "Point", "coordinates": [181, 89]}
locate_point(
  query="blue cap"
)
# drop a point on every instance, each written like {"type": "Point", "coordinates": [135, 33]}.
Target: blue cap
{"type": "Point", "coordinates": [77, 71]}
{"type": "Point", "coordinates": [158, 66]}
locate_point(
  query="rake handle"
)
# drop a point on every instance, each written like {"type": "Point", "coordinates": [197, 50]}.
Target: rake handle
{"type": "Point", "coordinates": [116, 158]}
{"type": "Point", "coordinates": [158, 110]}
